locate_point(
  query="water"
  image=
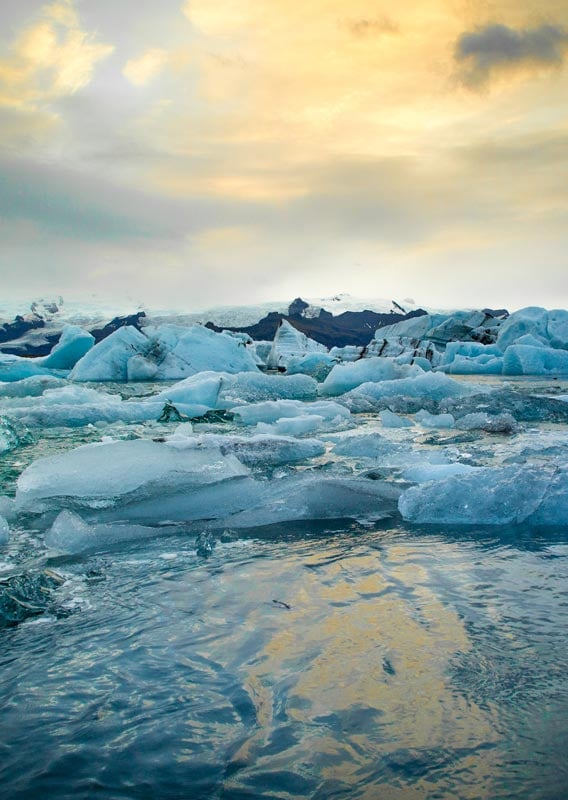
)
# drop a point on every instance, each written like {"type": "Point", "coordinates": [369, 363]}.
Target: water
{"type": "Point", "coordinates": [301, 661]}
{"type": "Point", "coordinates": [408, 665]}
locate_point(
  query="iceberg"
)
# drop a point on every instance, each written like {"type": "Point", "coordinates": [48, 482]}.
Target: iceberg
{"type": "Point", "coordinates": [16, 368]}
{"type": "Point", "coordinates": [74, 343]}
{"type": "Point", "coordinates": [318, 365]}
{"type": "Point", "coordinates": [422, 473]}
{"type": "Point", "coordinates": [522, 359]}
{"type": "Point", "coordinates": [71, 534]}
{"type": "Point", "coordinates": [344, 377]}
{"type": "Point", "coordinates": [108, 360]}
{"type": "Point", "coordinates": [7, 508]}
{"type": "Point", "coordinates": [485, 496]}
{"type": "Point", "coordinates": [303, 425]}
{"type": "Point", "coordinates": [109, 474]}
{"type": "Point", "coordinates": [313, 497]}
{"type": "Point", "coordinates": [428, 420]}
{"type": "Point", "coordinates": [165, 352]}
{"type": "Point", "coordinates": [271, 411]}
{"type": "Point", "coordinates": [391, 420]}
{"type": "Point", "coordinates": [31, 387]}
{"type": "Point", "coordinates": [532, 320]}
{"type": "Point", "coordinates": [291, 343]}
{"type": "Point", "coordinates": [4, 531]}
{"type": "Point", "coordinates": [408, 395]}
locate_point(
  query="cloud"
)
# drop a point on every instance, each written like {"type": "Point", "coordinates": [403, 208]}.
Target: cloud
{"type": "Point", "coordinates": [373, 26]}
{"type": "Point", "coordinates": [143, 69]}
{"type": "Point", "coordinates": [495, 48]}
{"type": "Point", "coordinates": [52, 57]}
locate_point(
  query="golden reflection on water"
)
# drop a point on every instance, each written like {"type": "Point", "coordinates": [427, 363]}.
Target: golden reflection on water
{"type": "Point", "coordinates": [372, 639]}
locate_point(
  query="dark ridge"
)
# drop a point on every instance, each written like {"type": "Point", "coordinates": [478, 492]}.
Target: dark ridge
{"type": "Point", "coordinates": [12, 331]}
{"type": "Point", "coordinates": [297, 306]}
{"type": "Point", "coordinates": [351, 327]}
{"type": "Point", "coordinates": [118, 322]}
{"type": "Point", "coordinates": [500, 313]}
{"type": "Point", "coordinates": [20, 326]}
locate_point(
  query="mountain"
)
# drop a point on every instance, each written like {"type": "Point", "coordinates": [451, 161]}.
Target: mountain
{"type": "Point", "coordinates": [349, 327]}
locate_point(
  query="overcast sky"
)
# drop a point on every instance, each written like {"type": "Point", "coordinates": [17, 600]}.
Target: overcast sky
{"type": "Point", "coordinates": [213, 152]}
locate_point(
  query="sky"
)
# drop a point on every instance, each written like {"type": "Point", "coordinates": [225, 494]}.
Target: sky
{"type": "Point", "coordinates": [192, 153]}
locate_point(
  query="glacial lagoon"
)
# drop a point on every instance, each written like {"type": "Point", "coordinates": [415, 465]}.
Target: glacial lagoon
{"type": "Point", "coordinates": [354, 656]}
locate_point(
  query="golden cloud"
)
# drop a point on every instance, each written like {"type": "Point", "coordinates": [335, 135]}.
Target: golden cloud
{"type": "Point", "coordinates": [143, 69]}
{"type": "Point", "coordinates": [51, 57]}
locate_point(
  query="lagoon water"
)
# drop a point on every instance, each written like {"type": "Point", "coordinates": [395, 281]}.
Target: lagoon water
{"type": "Point", "coordinates": [312, 660]}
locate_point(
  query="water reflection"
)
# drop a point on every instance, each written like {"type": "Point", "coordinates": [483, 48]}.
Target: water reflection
{"type": "Point", "coordinates": [408, 665]}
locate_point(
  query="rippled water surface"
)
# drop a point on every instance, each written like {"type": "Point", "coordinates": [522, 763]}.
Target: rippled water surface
{"type": "Point", "coordinates": [307, 661]}
{"type": "Point", "coordinates": [394, 664]}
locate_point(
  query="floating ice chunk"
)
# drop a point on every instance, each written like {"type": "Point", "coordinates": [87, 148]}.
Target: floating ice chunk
{"type": "Point", "coordinates": [31, 387]}
{"type": "Point", "coordinates": [293, 426]}
{"type": "Point", "coordinates": [557, 328]}
{"type": "Point", "coordinates": [13, 434]}
{"type": "Point", "coordinates": [487, 496]}
{"type": "Point", "coordinates": [311, 497]}
{"type": "Point", "coordinates": [390, 420]}
{"type": "Point", "coordinates": [261, 350]}
{"type": "Point", "coordinates": [273, 410]}
{"type": "Point", "coordinates": [318, 365]}
{"type": "Point", "coordinates": [421, 473]}
{"type": "Point", "coordinates": [222, 390]}
{"type": "Point", "coordinates": [74, 343]}
{"type": "Point", "coordinates": [344, 377]}
{"type": "Point", "coordinates": [532, 320]}
{"type": "Point", "coordinates": [261, 449]}
{"type": "Point", "coordinates": [366, 445]}
{"type": "Point", "coordinates": [289, 343]}
{"type": "Point", "coordinates": [7, 508]}
{"type": "Point", "coordinates": [492, 423]}
{"type": "Point", "coordinates": [428, 420]}
{"type": "Point", "coordinates": [202, 389]}
{"type": "Point", "coordinates": [521, 359]}
{"type": "Point", "coordinates": [408, 394]}
{"type": "Point", "coordinates": [108, 360]}
{"type": "Point", "coordinates": [16, 368]}
{"type": "Point", "coordinates": [553, 509]}
{"type": "Point", "coordinates": [270, 450]}
{"type": "Point", "coordinates": [108, 474]}
{"type": "Point", "coordinates": [196, 349]}
{"type": "Point", "coordinates": [175, 352]}
{"type": "Point", "coordinates": [350, 352]}
{"type": "Point", "coordinates": [250, 387]}
{"type": "Point", "coordinates": [523, 407]}
{"type": "Point", "coordinates": [478, 365]}
{"type": "Point", "coordinates": [4, 531]}
{"type": "Point", "coordinates": [71, 534]}
{"type": "Point", "coordinates": [413, 328]}
{"type": "Point", "coordinates": [75, 406]}
{"type": "Point", "coordinates": [467, 358]}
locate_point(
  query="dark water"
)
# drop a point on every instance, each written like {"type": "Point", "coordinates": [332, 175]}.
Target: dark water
{"type": "Point", "coordinates": [408, 665]}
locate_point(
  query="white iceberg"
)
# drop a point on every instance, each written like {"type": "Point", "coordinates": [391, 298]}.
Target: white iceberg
{"type": "Point", "coordinates": [118, 472]}
{"type": "Point", "coordinates": [273, 410]}
{"type": "Point", "coordinates": [344, 377]}
{"type": "Point", "coordinates": [74, 343]}
{"type": "Point", "coordinates": [166, 352]}
{"type": "Point", "coordinates": [291, 343]}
